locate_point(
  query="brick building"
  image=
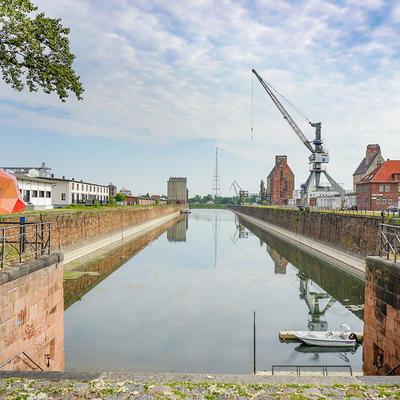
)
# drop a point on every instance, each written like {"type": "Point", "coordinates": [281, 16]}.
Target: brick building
{"type": "Point", "coordinates": [280, 182]}
{"type": "Point", "coordinates": [380, 188]}
{"type": "Point", "coordinates": [373, 159]}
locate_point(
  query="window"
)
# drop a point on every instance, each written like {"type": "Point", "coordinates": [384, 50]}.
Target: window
{"type": "Point", "coordinates": [73, 186]}
{"type": "Point", "coordinates": [63, 196]}
{"type": "Point", "coordinates": [381, 188]}
{"type": "Point", "coordinates": [83, 188]}
{"type": "Point", "coordinates": [378, 201]}
{"type": "Point", "coordinates": [90, 188]}
{"type": "Point", "coordinates": [383, 201]}
{"type": "Point", "coordinates": [41, 193]}
{"type": "Point", "coordinates": [387, 188]}
{"type": "Point", "coordinates": [86, 187]}
{"type": "Point", "coordinates": [48, 195]}
{"type": "Point", "coordinates": [34, 193]}
{"type": "Point", "coordinates": [390, 202]}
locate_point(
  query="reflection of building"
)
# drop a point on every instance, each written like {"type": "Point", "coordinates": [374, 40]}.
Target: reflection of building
{"type": "Point", "coordinates": [373, 158]}
{"type": "Point", "coordinates": [177, 190]}
{"type": "Point", "coordinates": [312, 299]}
{"type": "Point", "coordinates": [280, 262]}
{"type": "Point", "coordinates": [177, 232]}
{"type": "Point", "coordinates": [280, 182]}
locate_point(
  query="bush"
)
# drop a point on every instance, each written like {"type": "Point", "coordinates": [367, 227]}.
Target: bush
{"type": "Point", "coordinates": [120, 197]}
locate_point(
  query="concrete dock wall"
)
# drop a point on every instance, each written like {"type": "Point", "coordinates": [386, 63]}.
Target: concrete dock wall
{"type": "Point", "coordinates": [31, 315]}
{"type": "Point", "coordinates": [353, 234]}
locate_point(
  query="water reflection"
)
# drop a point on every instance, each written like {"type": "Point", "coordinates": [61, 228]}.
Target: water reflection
{"type": "Point", "coordinates": [177, 232]}
{"type": "Point", "coordinates": [169, 309]}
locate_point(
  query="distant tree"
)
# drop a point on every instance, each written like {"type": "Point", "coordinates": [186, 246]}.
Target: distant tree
{"type": "Point", "coordinates": [34, 51]}
{"type": "Point", "coordinates": [157, 201]}
{"type": "Point", "coordinates": [207, 198]}
{"type": "Point", "coordinates": [119, 197]}
{"type": "Point", "coordinates": [262, 190]}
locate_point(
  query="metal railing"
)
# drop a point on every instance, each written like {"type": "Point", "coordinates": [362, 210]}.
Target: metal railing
{"type": "Point", "coordinates": [389, 241]}
{"type": "Point", "coordinates": [19, 354]}
{"type": "Point", "coordinates": [23, 241]}
{"type": "Point", "coordinates": [324, 368]}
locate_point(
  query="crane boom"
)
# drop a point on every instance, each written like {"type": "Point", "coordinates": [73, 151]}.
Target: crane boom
{"type": "Point", "coordinates": [285, 114]}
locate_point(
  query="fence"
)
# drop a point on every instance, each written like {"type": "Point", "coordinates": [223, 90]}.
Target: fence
{"type": "Point", "coordinates": [389, 241]}
{"type": "Point", "coordinates": [23, 241]}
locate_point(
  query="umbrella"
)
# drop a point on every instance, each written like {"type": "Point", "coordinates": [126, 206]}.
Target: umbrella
{"type": "Point", "coordinates": [11, 200]}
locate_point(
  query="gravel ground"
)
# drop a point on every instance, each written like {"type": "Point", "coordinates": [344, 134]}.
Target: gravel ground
{"type": "Point", "coordinates": [116, 387]}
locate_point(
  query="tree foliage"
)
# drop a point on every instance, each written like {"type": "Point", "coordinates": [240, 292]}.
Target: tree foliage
{"type": "Point", "coordinates": [34, 51]}
{"type": "Point", "coordinates": [119, 197]}
{"type": "Point", "coordinates": [262, 190]}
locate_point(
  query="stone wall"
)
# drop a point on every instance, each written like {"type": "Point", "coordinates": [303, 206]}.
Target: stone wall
{"type": "Point", "coordinates": [354, 234]}
{"type": "Point", "coordinates": [381, 347]}
{"type": "Point", "coordinates": [74, 228]}
{"type": "Point", "coordinates": [31, 315]}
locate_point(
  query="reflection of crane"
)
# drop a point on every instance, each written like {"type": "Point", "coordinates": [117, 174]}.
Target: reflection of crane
{"type": "Point", "coordinates": [312, 300]}
{"type": "Point", "coordinates": [240, 193]}
{"type": "Point", "coordinates": [318, 156]}
{"type": "Point", "coordinates": [215, 228]}
{"type": "Point", "coordinates": [240, 232]}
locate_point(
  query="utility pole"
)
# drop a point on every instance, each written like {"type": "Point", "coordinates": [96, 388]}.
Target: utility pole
{"type": "Point", "coordinates": [216, 186]}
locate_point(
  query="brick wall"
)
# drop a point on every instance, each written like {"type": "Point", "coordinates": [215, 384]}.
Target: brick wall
{"type": "Point", "coordinates": [31, 315]}
{"type": "Point", "coordinates": [354, 234]}
{"type": "Point", "coordinates": [381, 347]}
{"type": "Point", "coordinates": [72, 229]}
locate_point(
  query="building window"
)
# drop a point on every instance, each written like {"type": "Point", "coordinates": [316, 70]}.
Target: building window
{"type": "Point", "coordinates": [378, 201]}
{"type": "Point", "coordinates": [48, 195]}
{"type": "Point", "coordinates": [383, 201]}
{"type": "Point", "coordinates": [90, 188]}
{"type": "Point", "coordinates": [86, 187]}
{"type": "Point", "coordinates": [387, 188]}
{"type": "Point", "coordinates": [34, 193]}
{"type": "Point", "coordinates": [381, 188]}
{"type": "Point", "coordinates": [83, 188]}
{"type": "Point", "coordinates": [41, 193]}
{"type": "Point", "coordinates": [73, 186]}
{"type": "Point", "coordinates": [390, 201]}
{"type": "Point", "coordinates": [63, 197]}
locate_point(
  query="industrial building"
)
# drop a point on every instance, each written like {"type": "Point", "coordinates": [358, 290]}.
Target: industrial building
{"type": "Point", "coordinates": [280, 182]}
{"type": "Point", "coordinates": [177, 191]}
{"type": "Point", "coordinates": [380, 188]}
{"type": "Point", "coordinates": [373, 159]}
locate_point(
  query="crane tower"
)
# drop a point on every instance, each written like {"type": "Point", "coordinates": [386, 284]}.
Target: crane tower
{"type": "Point", "coordinates": [319, 156]}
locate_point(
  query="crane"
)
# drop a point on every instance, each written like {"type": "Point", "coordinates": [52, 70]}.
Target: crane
{"type": "Point", "coordinates": [240, 193]}
{"type": "Point", "coordinates": [318, 156]}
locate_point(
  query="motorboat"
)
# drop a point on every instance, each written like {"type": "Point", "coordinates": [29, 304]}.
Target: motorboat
{"type": "Point", "coordinates": [344, 338]}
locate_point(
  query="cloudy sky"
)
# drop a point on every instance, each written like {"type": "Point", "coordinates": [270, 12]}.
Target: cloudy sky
{"type": "Point", "coordinates": [168, 81]}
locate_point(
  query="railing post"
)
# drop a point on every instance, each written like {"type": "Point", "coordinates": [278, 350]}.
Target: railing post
{"type": "Point", "coordinates": [36, 241]}
{"type": "Point", "coordinates": [22, 221]}
{"type": "Point", "coordinates": [49, 238]}
{"type": "Point", "coordinates": [42, 236]}
{"type": "Point", "coordinates": [3, 240]}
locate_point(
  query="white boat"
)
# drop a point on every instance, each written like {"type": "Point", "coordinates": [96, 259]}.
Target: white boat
{"type": "Point", "coordinates": [329, 339]}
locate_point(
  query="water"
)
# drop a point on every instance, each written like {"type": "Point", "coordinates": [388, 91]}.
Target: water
{"type": "Point", "coordinates": [182, 300]}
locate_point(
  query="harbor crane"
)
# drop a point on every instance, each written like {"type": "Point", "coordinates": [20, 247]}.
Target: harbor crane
{"type": "Point", "coordinates": [240, 193]}
{"type": "Point", "coordinates": [319, 156]}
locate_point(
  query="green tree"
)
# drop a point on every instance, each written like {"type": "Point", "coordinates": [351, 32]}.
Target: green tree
{"type": "Point", "coordinates": [119, 197]}
{"type": "Point", "coordinates": [262, 190]}
{"type": "Point", "coordinates": [34, 51]}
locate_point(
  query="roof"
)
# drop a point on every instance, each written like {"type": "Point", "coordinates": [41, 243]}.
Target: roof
{"type": "Point", "coordinates": [383, 173]}
{"type": "Point", "coordinates": [72, 180]}
{"type": "Point", "coordinates": [277, 166]}
{"type": "Point", "coordinates": [364, 165]}
{"type": "Point", "coordinates": [23, 177]}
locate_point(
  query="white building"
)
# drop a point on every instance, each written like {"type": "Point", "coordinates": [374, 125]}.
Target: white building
{"type": "Point", "coordinates": [69, 191]}
{"type": "Point", "coordinates": [37, 192]}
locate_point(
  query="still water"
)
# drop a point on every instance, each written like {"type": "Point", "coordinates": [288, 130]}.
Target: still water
{"type": "Point", "coordinates": [182, 299]}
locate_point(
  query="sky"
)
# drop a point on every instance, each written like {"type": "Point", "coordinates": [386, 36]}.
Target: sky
{"type": "Point", "coordinates": [166, 82]}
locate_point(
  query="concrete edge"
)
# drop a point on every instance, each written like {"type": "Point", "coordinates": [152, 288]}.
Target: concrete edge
{"type": "Point", "coordinates": [244, 379]}
{"type": "Point", "coordinates": [345, 261]}
{"type": "Point", "coordinates": [384, 264]}
{"type": "Point", "coordinates": [127, 234]}
{"type": "Point", "coordinates": [12, 272]}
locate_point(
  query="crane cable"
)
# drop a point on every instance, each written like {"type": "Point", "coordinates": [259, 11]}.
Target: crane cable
{"type": "Point", "coordinates": [297, 110]}
{"type": "Point", "coordinates": [252, 106]}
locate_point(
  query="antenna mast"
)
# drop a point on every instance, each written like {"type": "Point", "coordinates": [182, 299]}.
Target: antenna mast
{"type": "Point", "coordinates": [216, 186]}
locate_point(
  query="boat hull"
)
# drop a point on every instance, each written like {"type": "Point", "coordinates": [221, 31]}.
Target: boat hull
{"type": "Point", "coordinates": [326, 340]}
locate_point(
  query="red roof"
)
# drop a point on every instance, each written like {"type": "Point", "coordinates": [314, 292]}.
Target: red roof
{"type": "Point", "coordinates": [383, 173]}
